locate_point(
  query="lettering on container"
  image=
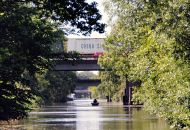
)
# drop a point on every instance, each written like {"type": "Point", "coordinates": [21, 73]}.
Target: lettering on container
{"type": "Point", "coordinates": [91, 46]}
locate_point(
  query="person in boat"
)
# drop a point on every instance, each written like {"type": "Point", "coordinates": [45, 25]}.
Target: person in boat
{"type": "Point", "coordinates": [95, 101]}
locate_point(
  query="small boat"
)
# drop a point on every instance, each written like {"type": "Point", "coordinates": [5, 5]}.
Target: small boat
{"type": "Point", "coordinates": [95, 104]}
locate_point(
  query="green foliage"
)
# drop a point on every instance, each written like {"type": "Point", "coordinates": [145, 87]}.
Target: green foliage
{"type": "Point", "coordinates": [25, 42]}
{"type": "Point", "coordinates": [55, 86]}
{"type": "Point", "coordinates": [150, 43]}
{"type": "Point", "coordinates": [59, 45]}
{"type": "Point", "coordinates": [28, 29]}
{"type": "Point", "coordinates": [15, 95]}
{"type": "Point", "coordinates": [79, 13]}
{"type": "Point", "coordinates": [165, 81]}
{"type": "Point", "coordinates": [111, 85]}
{"type": "Point", "coordinates": [94, 92]}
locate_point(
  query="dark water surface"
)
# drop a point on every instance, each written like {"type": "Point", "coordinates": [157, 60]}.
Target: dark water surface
{"type": "Point", "coordinates": [80, 115]}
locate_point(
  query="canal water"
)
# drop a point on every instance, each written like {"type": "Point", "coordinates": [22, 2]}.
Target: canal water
{"type": "Point", "coordinates": [80, 115]}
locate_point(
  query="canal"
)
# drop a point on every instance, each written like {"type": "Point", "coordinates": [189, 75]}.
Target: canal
{"type": "Point", "coordinates": [80, 115]}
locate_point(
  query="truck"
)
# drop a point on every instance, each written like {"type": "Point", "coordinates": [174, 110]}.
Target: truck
{"type": "Point", "coordinates": [84, 46]}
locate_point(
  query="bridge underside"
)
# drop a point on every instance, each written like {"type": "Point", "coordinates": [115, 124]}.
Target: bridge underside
{"type": "Point", "coordinates": [79, 65]}
{"type": "Point", "coordinates": [82, 87]}
{"type": "Point", "coordinates": [83, 84]}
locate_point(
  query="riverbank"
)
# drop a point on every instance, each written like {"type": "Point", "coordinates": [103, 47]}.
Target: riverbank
{"type": "Point", "coordinates": [8, 122]}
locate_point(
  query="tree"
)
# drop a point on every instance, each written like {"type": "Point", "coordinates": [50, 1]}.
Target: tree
{"type": "Point", "coordinates": [111, 86]}
{"type": "Point", "coordinates": [56, 86]}
{"type": "Point", "coordinates": [28, 29]}
{"type": "Point", "coordinates": [77, 13]}
{"type": "Point", "coordinates": [94, 92]}
{"type": "Point", "coordinates": [25, 46]}
{"type": "Point", "coordinates": [150, 43]}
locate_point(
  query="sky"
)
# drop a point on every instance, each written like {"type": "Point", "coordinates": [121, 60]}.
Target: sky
{"type": "Point", "coordinates": [104, 20]}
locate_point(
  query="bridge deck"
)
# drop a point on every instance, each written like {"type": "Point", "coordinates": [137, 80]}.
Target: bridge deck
{"type": "Point", "coordinates": [77, 65]}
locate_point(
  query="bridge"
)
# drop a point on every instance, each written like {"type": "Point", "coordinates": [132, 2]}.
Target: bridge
{"type": "Point", "coordinates": [89, 50]}
{"type": "Point", "coordinates": [78, 65]}
{"type": "Point", "coordinates": [85, 62]}
{"type": "Point", "coordinates": [83, 84]}
{"type": "Point", "coordinates": [89, 63]}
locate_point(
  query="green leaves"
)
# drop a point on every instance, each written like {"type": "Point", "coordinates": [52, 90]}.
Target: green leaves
{"type": "Point", "coordinates": [55, 86]}
{"type": "Point", "coordinates": [111, 85]}
{"type": "Point", "coordinates": [155, 41]}
{"type": "Point", "coordinates": [28, 31]}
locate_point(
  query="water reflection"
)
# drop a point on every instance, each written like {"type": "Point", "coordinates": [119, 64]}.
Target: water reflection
{"type": "Point", "coordinates": [80, 115]}
{"type": "Point", "coordinates": [89, 120]}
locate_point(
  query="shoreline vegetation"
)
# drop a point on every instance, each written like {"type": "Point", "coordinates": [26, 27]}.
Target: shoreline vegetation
{"type": "Point", "coordinates": [29, 34]}
{"type": "Point", "coordinates": [150, 43]}
{"type": "Point", "coordinates": [9, 122]}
